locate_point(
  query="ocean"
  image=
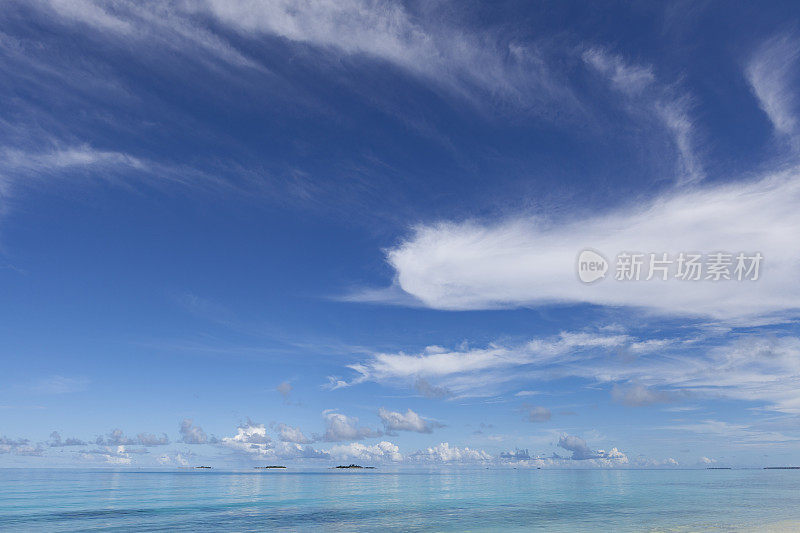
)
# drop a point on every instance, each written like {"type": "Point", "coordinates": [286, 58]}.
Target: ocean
{"type": "Point", "coordinates": [468, 499]}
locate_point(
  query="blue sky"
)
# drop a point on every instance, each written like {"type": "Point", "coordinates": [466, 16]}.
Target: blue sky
{"type": "Point", "coordinates": [242, 233]}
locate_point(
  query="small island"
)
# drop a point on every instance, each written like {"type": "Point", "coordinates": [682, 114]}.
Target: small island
{"type": "Point", "coordinates": [782, 468]}
{"type": "Point", "coordinates": [355, 466]}
{"type": "Point", "coordinates": [268, 466]}
{"type": "Point", "coordinates": [202, 467]}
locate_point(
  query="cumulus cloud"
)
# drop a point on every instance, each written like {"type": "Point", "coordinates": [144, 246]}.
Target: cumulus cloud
{"type": "Point", "coordinates": [581, 451]}
{"type": "Point", "coordinates": [537, 413]}
{"type": "Point", "coordinates": [527, 261]}
{"type": "Point", "coordinates": [20, 447]}
{"type": "Point", "coordinates": [251, 440]}
{"type": "Point", "coordinates": [176, 458]}
{"type": "Point", "coordinates": [340, 427]}
{"type": "Point", "coordinates": [516, 455]}
{"type": "Point", "coordinates": [383, 451]}
{"type": "Point", "coordinates": [645, 462]}
{"type": "Point", "coordinates": [287, 433]}
{"type": "Point", "coordinates": [118, 455]}
{"type": "Point", "coordinates": [444, 453]}
{"type": "Point", "coordinates": [57, 442]}
{"type": "Point", "coordinates": [191, 434]}
{"type": "Point", "coordinates": [408, 421]}
{"type": "Point", "coordinates": [117, 438]}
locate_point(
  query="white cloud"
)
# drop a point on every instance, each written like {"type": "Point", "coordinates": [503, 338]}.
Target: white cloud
{"type": "Point", "coordinates": [772, 74]}
{"type": "Point", "coordinates": [675, 115]}
{"type": "Point", "coordinates": [250, 438]}
{"type": "Point", "coordinates": [628, 78]}
{"type": "Point", "coordinates": [117, 438]}
{"type": "Point", "coordinates": [655, 102]}
{"type": "Point", "coordinates": [90, 13]}
{"type": "Point", "coordinates": [644, 462]}
{"type": "Point", "coordinates": [162, 26]}
{"type": "Point", "coordinates": [515, 456]}
{"type": "Point", "coordinates": [20, 447]}
{"type": "Point", "coordinates": [340, 427]}
{"type": "Point", "coordinates": [444, 453]}
{"type": "Point", "coordinates": [65, 158]}
{"type": "Point", "coordinates": [527, 261]}
{"type": "Point", "coordinates": [117, 455]}
{"type": "Point", "coordinates": [469, 64]}
{"type": "Point", "coordinates": [57, 442]}
{"type": "Point", "coordinates": [459, 365]}
{"type": "Point", "coordinates": [176, 458]}
{"type": "Point", "coordinates": [581, 451]}
{"type": "Point", "coordinates": [287, 433]}
{"type": "Point", "coordinates": [191, 434]}
{"type": "Point", "coordinates": [764, 369]}
{"type": "Point", "coordinates": [410, 421]}
{"type": "Point", "coordinates": [356, 451]}
{"type": "Point", "coordinates": [754, 367]}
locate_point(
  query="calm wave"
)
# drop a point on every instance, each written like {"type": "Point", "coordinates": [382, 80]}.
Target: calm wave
{"type": "Point", "coordinates": [452, 500]}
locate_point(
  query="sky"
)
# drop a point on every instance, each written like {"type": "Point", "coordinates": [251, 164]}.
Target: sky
{"type": "Point", "coordinates": [239, 233]}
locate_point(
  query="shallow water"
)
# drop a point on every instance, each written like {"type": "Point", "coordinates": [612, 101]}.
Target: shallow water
{"type": "Point", "coordinates": [440, 500]}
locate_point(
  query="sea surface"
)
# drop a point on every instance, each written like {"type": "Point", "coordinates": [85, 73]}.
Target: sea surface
{"type": "Point", "coordinates": [418, 500]}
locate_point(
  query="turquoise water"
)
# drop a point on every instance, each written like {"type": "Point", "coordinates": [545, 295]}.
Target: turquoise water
{"type": "Point", "coordinates": [445, 500]}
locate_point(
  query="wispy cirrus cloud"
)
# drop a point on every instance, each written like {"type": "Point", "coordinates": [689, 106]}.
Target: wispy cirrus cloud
{"type": "Point", "coordinates": [474, 65]}
{"type": "Point", "coordinates": [773, 74]}
{"type": "Point", "coordinates": [470, 371]}
{"type": "Point", "coordinates": [663, 104]}
{"type": "Point", "coordinates": [761, 368]}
